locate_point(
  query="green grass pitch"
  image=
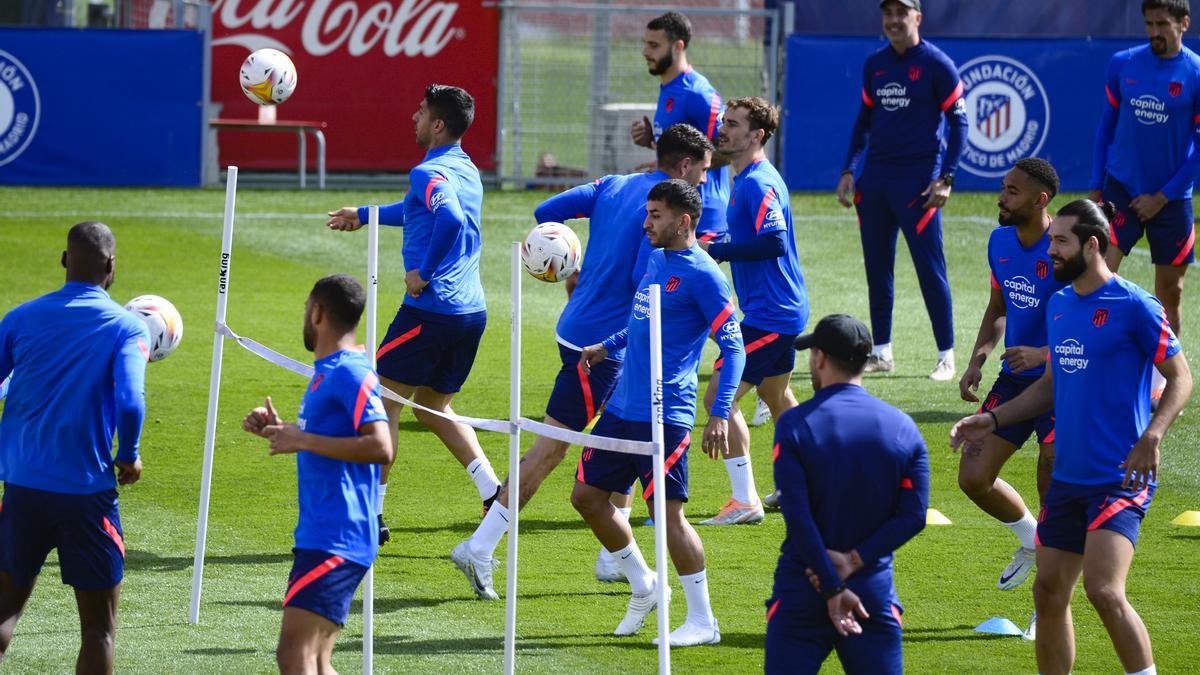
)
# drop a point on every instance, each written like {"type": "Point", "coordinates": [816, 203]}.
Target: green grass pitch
{"type": "Point", "coordinates": [427, 620]}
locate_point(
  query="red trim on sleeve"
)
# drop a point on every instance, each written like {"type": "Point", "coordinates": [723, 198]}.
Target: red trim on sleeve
{"type": "Point", "coordinates": [866, 98]}
{"type": "Point", "coordinates": [142, 346]}
{"type": "Point", "coordinates": [434, 180]}
{"type": "Point", "coordinates": [714, 112]}
{"type": "Point", "coordinates": [720, 320]}
{"type": "Point", "coordinates": [906, 483]}
{"type": "Point", "coordinates": [364, 394]}
{"type": "Point", "coordinates": [1164, 339]}
{"type": "Point", "coordinates": [1112, 100]}
{"type": "Point", "coordinates": [953, 97]}
{"type": "Point", "coordinates": [775, 453]}
{"type": "Point", "coordinates": [771, 610]}
{"type": "Point", "coordinates": [767, 200]}
{"type": "Point", "coordinates": [1196, 119]}
{"type": "Point", "coordinates": [995, 284]}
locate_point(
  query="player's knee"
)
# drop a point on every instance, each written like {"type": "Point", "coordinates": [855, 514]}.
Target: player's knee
{"type": "Point", "coordinates": [974, 484]}
{"type": "Point", "coordinates": [425, 417]}
{"type": "Point", "coordinates": [98, 638]}
{"type": "Point", "coordinates": [586, 504]}
{"type": "Point", "coordinates": [291, 656]}
{"type": "Point", "coordinates": [1048, 597]}
{"type": "Point", "coordinates": [1104, 596]}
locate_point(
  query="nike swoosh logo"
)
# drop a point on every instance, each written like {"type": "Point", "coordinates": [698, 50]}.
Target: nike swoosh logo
{"type": "Point", "coordinates": [474, 470]}
{"type": "Point", "coordinates": [879, 72]}
{"type": "Point", "coordinates": [1004, 260]}
{"type": "Point", "coordinates": [743, 464]}
{"type": "Point", "coordinates": [1131, 81]}
{"type": "Point", "coordinates": [699, 581]}
{"type": "Point", "coordinates": [1057, 317]}
{"type": "Point", "coordinates": [1004, 579]}
{"type": "Point", "coordinates": [626, 556]}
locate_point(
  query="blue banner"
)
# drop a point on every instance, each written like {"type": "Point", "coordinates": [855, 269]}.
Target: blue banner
{"type": "Point", "coordinates": [1029, 97]}
{"type": "Point", "coordinates": [100, 107]}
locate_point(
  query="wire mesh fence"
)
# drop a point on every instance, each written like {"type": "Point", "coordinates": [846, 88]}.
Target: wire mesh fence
{"type": "Point", "coordinates": [572, 80]}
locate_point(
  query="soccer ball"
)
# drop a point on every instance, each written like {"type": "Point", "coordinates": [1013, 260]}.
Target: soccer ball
{"type": "Point", "coordinates": [551, 252]}
{"type": "Point", "coordinates": [268, 77]}
{"type": "Point", "coordinates": [163, 322]}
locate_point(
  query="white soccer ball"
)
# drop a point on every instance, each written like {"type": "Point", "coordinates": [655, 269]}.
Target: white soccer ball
{"type": "Point", "coordinates": [551, 252]}
{"type": "Point", "coordinates": [162, 320]}
{"type": "Point", "coordinates": [268, 77]}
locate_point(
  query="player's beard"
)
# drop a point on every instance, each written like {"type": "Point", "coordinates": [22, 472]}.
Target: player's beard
{"type": "Point", "coordinates": [310, 334]}
{"type": "Point", "coordinates": [1158, 45]}
{"type": "Point", "coordinates": [1013, 217]}
{"type": "Point", "coordinates": [816, 381]}
{"type": "Point", "coordinates": [1071, 268]}
{"type": "Point", "coordinates": [662, 65]}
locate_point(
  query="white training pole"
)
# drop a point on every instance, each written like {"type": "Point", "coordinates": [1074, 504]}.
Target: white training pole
{"type": "Point", "coordinates": [660, 478]}
{"type": "Point", "coordinates": [514, 464]}
{"type": "Point", "coordinates": [214, 391]}
{"type": "Point", "coordinates": [372, 298]}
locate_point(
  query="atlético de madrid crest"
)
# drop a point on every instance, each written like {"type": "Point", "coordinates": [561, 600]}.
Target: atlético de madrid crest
{"type": "Point", "coordinates": [1008, 114]}
{"type": "Point", "coordinates": [20, 107]}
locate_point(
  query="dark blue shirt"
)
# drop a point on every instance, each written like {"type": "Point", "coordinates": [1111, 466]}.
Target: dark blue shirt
{"type": "Point", "coordinates": [78, 365]}
{"type": "Point", "coordinates": [1025, 278]}
{"type": "Point", "coordinates": [904, 97]}
{"type": "Point", "coordinates": [853, 473]}
{"type": "Point", "coordinates": [337, 499]}
{"type": "Point", "coordinates": [1102, 348]}
{"type": "Point", "coordinates": [1147, 136]}
{"type": "Point", "coordinates": [440, 215]}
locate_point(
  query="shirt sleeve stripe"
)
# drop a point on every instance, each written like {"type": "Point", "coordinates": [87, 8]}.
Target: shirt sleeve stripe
{"type": "Point", "coordinates": [1164, 340]}
{"type": "Point", "coordinates": [1112, 100]}
{"type": "Point", "coordinates": [713, 112]}
{"type": "Point", "coordinates": [364, 393]}
{"type": "Point", "coordinates": [953, 97]}
{"type": "Point", "coordinates": [995, 284]}
{"type": "Point", "coordinates": [720, 320]}
{"type": "Point", "coordinates": [866, 98]}
{"type": "Point", "coordinates": [762, 209]}
{"type": "Point", "coordinates": [434, 180]}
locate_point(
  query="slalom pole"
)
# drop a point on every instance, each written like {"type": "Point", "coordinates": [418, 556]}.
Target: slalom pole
{"type": "Point", "coordinates": [214, 393]}
{"type": "Point", "coordinates": [514, 464]}
{"type": "Point", "coordinates": [368, 595]}
{"type": "Point", "coordinates": [660, 502]}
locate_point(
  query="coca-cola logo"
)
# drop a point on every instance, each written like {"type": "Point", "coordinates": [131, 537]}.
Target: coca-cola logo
{"type": "Point", "coordinates": [408, 27]}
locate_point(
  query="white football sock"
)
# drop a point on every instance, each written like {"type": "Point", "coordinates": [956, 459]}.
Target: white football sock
{"type": "Point", "coordinates": [1146, 671]}
{"type": "Point", "coordinates": [485, 479]}
{"type": "Point", "coordinates": [641, 579]}
{"type": "Point", "coordinates": [695, 589]}
{"type": "Point", "coordinates": [605, 555]}
{"type": "Point", "coordinates": [883, 351]}
{"type": "Point", "coordinates": [1025, 529]}
{"type": "Point", "coordinates": [379, 501]}
{"type": "Point", "coordinates": [945, 354]}
{"type": "Point", "coordinates": [741, 477]}
{"type": "Point", "coordinates": [487, 536]}
{"type": "Point", "coordinates": [1157, 381]}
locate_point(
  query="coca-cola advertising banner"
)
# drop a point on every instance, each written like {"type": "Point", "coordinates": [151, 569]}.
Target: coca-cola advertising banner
{"type": "Point", "coordinates": [362, 68]}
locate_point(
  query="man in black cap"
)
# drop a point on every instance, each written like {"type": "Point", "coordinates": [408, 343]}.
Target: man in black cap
{"type": "Point", "coordinates": [900, 181]}
{"type": "Point", "coordinates": [833, 584]}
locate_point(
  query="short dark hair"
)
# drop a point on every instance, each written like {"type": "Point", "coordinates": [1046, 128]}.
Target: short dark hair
{"type": "Point", "coordinates": [1040, 171]}
{"type": "Point", "coordinates": [453, 106]}
{"type": "Point", "coordinates": [679, 196]}
{"type": "Point", "coordinates": [679, 141]}
{"type": "Point", "coordinates": [762, 115]}
{"type": "Point", "coordinates": [91, 246]}
{"type": "Point", "coordinates": [675, 25]}
{"type": "Point", "coordinates": [1176, 8]}
{"type": "Point", "coordinates": [342, 297]}
{"type": "Point", "coordinates": [1091, 220]}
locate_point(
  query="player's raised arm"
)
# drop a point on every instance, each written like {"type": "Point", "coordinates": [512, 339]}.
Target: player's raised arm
{"type": "Point", "coordinates": [576, 202]}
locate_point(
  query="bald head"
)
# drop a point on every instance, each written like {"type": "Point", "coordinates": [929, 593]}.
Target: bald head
{"type": "Point", "coordinates": [91, 254]}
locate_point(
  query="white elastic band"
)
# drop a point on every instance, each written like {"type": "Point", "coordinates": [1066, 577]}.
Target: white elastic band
{"type": "Point", "coordinates": [586, 440]}
{"type": "Point", "coordinates": [4, 387]}
{"type": "Point", "coordinates": [498, 426]}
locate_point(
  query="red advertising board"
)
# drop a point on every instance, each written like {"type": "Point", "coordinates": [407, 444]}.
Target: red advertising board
{"type": "Point", "coordinates": [362, 67]}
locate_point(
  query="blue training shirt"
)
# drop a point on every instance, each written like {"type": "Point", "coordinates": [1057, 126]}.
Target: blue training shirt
{"type": "Point", "coordinates": [1025, 277]}
{"type": "Point", "coordinates": [695, 302]}
{"type": "Point", "coordinates": [853, 473]}
{"type": "Point", "coordinates": [1102, 348]}
{"type": "Point", "coordinates": [689, 98]}
{"type": "Point", "coordinates": [440, 215]}
{"type": "Point", "coordinates": [616, 207]}
{"type": "Point", "coordinates": [771, 291]}
{"type": "Point", "coordinates": [904, 97]}
{"type": "Point", "coordinates": [78, 365]}
{"type": "Point", "coordinates": [337, 499]}
{"type": "Point", "coordinates": [1148, 133]}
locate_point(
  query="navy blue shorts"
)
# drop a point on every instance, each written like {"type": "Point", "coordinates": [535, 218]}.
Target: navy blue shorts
{"type": "Point", "coordinates": [426, 349]}
{"type": "Point", "coordinates": [323, 583]}
{"type": "Point", "coordinates": [578, 395]}
{"type": "Point", "coordinates": [800, 636]}
{"type": "Point", "coordinates": [1171, 233]}
{"type": "Point", "coordinates": [86, 530]}
{"type": "Point", "coordinates": [1070, 511]}
{"type": "Point", "coordinates": [616, 471]}
{"type": "Point", "coordinates": [1006, 388]}
{"type": "Point", "coordinates": [767, 354]}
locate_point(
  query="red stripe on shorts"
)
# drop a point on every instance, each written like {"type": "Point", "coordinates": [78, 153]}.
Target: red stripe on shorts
{"type": "Point", "coordinates": [111, 531]}
{"type": "Point", "coordinates": [315, 573]}
{"type": "Point", "coordinates": [398, 341]}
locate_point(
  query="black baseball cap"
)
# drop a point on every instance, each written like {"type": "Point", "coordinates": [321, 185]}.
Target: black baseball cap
{"type": "Point", "coordinates": [841, 336]}
{"type": "Point", "coordinates": [915, 4]}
